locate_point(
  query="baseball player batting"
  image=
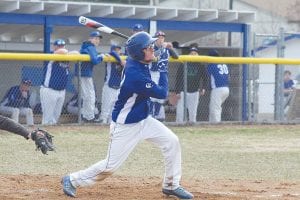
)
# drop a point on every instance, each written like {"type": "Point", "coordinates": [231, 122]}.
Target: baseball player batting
{"type": "Point", "coordinates": [132, 124]}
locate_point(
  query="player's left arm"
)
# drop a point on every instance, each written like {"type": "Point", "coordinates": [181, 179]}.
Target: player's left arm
{"type": "Point", "coordinates": [8, 124]}
{"type": "Point", "coordinates": [149, 88]}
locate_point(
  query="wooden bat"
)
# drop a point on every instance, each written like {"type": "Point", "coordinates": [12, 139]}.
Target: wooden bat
{"type": "Point", "coordinates": [100, 27]}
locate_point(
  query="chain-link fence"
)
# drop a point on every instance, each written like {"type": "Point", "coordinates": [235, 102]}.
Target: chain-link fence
{"type": "Point", "coordinates": [191, 91]}
{"type": "Point", "coordinates": [189, 78]}
{"type": "Point", "coordinates": [273, 88]}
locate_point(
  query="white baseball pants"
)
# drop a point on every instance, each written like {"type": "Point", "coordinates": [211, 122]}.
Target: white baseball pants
{"type": "Point", "coordinates": [52, 102]}
{"type": "Point", "coordinates": [217, 98]}
{"type": "Point", "coordinates": [123, 139]}
{"type": "Point", "coordinates": [74, 110]}
{"type": "Point", "coordinates": [109, 97]}
{"type": "Point", "coordinates": [88, 98]}
{"type": "Point", "coordinates": [16, 112]}
{"type": "Point", "coordinates": [192, 101]}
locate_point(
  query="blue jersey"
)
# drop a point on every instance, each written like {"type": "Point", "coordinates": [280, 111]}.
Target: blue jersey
{"type": "Point", "coordinates": [113, 72]}
{"type": "Point", "coordinates": [218, 74]}
{"type": "Point", "coordinates": [56, 75]}
{"type": "Point", "coordinates": [289, 84]}
{"type": "Point", "coordinates": [163, 55]}
{"type": "Point", "coordinates": [14, 98]}
{"type": "Point", "coordinates": [87, 67]}
{"type": "Point", "coordinates": [163, 59]}
{"type": "Point", "coordinates": [137, 87]}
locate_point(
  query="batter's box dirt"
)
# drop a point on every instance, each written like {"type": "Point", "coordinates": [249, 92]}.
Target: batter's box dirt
{"type": "Point", "coordinates": [132, 188]}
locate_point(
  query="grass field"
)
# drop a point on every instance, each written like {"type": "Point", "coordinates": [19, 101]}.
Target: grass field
{"type": "Point", "coordinates": [268, 153]}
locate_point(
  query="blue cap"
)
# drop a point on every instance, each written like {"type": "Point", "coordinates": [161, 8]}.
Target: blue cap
{"type": "Point", "coordinates": [213, 52]}
{"type": "Point", "coordinates": [26, 81]}
{"type": "Point", "coordinates": [194, 49]}
{"type": "Point", "coordinates": [95, 34]}
{"type": "Point", "coordinates": [138, 27]}
{"type": "Point", "coordinates": [115, 46]}
{"type": "Point", "coordinates": [59, 42]}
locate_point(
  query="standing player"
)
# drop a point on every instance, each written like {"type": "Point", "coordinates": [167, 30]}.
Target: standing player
{"type": "Point", "coordinates": [219, 84]}
{"type": "Point", "coordinates": [86, 78]}
{"type": "Point", "coordinates": [43, 140]}
{"type": "Point", "coordinates": [197, 83]}
{"type": "Point", "coordinates": [131, 123]}
{"type": "Point", "coordinates": [288, 88]}
{"type": "Point", "coordinates": [162, 51]}
{"type": "Point", "coordinates": [53, 89]}
{"type": "Point", "coordinates": [111, 85]}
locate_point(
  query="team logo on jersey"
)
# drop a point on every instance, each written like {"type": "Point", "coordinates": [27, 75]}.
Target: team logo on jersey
{"type": "Point", "coordinates": [148, 85]}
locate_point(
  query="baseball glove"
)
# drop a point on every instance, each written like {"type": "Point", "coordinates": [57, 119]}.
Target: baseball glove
{"type": "Point", "coordinates": [43, 140]}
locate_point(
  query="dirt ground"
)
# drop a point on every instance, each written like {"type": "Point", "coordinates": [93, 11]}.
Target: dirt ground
{"type": "Point", "coordinates": [118, 187]}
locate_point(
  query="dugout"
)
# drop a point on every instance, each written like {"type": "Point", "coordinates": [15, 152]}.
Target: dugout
{"type": "Point", "coordinates": [32, 26]}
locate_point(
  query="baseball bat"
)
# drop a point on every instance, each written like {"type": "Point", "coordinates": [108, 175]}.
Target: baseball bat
{"type": "Point", "coordinates": [100, 27]}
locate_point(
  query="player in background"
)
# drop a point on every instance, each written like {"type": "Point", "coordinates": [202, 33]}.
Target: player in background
{"type": "Point", "coordinates": [86, 75]}
{"type": "Point", "coordinates": [53, 88]}
{"type": "Point", "coordinates": [197, 84]}
{"type": "Point", "coordinates": [162, 51]}
{"type": "Point", "coordinates": [137, 28]}
{"type": "Point", "coordinates": [288, 88]}
{"type": "Point", "coordinates": [16, 102]}
{"type": "Point", "coordinates": [73, 108]}
{"type": "Point", "coordinates": [219, 75]}
{"type": "Point", "coordinates": [132, 124]}
{"type": "Point", "coordinates": [111, 87]}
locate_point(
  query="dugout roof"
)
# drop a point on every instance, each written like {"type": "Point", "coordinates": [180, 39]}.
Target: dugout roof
{"type": "Point", "coordinates": [36, 19]}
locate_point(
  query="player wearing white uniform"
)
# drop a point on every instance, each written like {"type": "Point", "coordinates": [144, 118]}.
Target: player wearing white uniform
{"type": "Point", "coordinates": [53, 88]}
{"type": "Point", "coordinates": [86, 76]}
{"type": "Point", "coordinates": [162, 51]}
{"type": "Point", "coordinates": [111, 87]}
{"type": "Point", "coordinates": [73, 108]}
{"type": "Point", "coordinates": [219, 85]}
{"type": "Point", "coordinates": [132, 123]}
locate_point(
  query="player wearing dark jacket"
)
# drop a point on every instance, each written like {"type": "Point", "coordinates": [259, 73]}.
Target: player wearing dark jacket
{"type": "Point", "coordinates": [16, 102]}
{"type": "Point", "coordinates": [197, 84]}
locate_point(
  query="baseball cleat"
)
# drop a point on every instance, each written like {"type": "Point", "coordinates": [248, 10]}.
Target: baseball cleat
{"type": "Point", "coordinates": [180, 192]}
{"type": "Point", "coordinates": [68, 188]}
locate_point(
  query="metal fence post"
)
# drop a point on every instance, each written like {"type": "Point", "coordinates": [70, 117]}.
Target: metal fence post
{"type": "Point", "coordinates": [79, 94]}
{"type": "Point", "coordinates": [278, 109]}
{"type": "Point", "coordinates": [184, 92]}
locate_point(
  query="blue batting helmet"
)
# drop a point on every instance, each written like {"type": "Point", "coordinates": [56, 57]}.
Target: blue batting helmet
{"type": "Point", "coordinates": [59, 42]}
{"type": "Point", "coordinates": [136, 43]}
